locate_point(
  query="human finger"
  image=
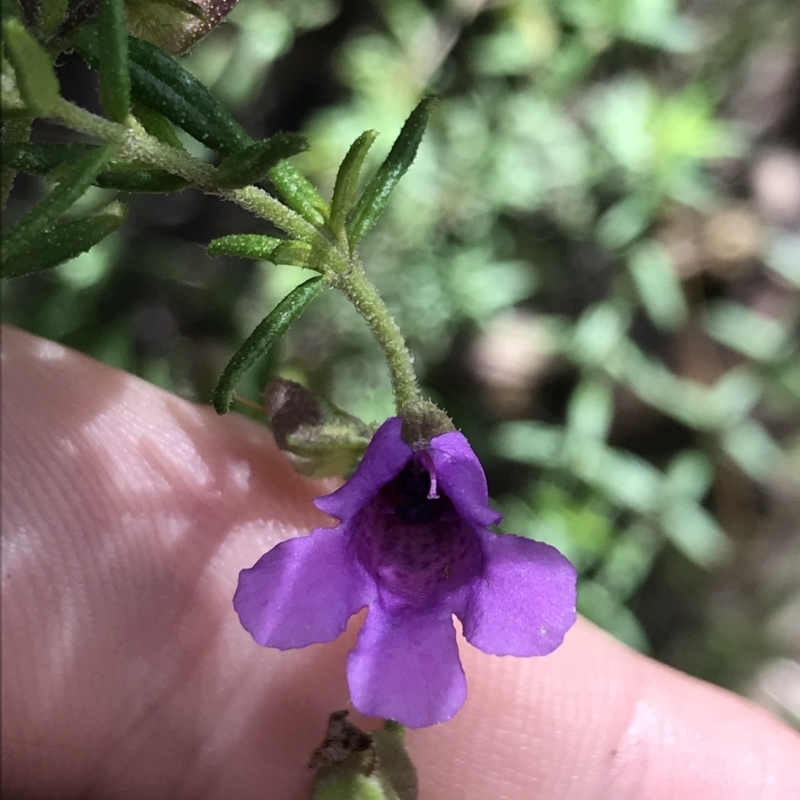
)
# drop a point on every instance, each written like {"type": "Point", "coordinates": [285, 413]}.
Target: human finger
{"type": "Point", "coordinates": [597, 720]}
{"type": "Point", "coordinates": [132, 513]}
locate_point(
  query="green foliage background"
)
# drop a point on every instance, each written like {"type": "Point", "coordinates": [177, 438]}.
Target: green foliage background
{"type": "Point", "coordinates": [588, 270]}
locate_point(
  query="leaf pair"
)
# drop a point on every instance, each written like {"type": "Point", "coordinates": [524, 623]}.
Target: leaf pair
{"type": "Point", "coordinates": [41, 159]}
{"type": "Point", "coordinates": [36, 79]}
{"type": "Point", "coordinates": [159, 83]}
{"type": "Point", "coordinates": [267, 248]}
{"type": "Point", "coordinates": [40, 241]}
{"type": "Point", "coordinates": [376, 194]}
{"type": "Point", "coordinates": [63, 241]}
{"type": "Point", "coordinates": [348, 220]}
{"type": "Point", "coordinates": [33, 65]}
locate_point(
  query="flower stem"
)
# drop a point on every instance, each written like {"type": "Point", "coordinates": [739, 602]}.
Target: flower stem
{"type": "Point", "coordinates": [360, 291]}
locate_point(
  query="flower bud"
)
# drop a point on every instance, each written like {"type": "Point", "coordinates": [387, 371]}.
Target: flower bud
{"type": "Point", "coordinates": [317, 447]}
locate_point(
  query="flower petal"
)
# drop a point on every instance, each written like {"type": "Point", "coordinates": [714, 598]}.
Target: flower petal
{"type": "Point", "coordinates": [384, 458]}
{"type": "Point", "coordinates": [525, 601]}
{"type": "Point", "coordinates": [302, 591]}
{"type": "Point", "coordinates": [460, 476]}
{"type": "Point", "coordinates": [405, 667]}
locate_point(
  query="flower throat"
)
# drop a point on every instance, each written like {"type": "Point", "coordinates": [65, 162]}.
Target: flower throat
{"type": "Point", "coordinates": [412, 498]}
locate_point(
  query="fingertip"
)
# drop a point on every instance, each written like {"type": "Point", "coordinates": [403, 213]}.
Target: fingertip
{"type": "Point", "coordinates": [595, 719]}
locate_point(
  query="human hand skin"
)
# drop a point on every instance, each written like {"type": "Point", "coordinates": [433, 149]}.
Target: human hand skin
{"type": "Point", "coordinates": [127, 514]}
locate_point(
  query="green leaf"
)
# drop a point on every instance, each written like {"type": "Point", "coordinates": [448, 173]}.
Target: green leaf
{"type": "Point", "coordinates": [759, 337]}
{"type": "Point", "coordinates": [75, 180]}
{"type": "Point", "coordinates": [695, 533]}
{"type": "Point", "coordinates": [591, 408]}
{"type": "Point", "coordinates": [115, 81]}
{"type": "Point", "coordinates": [198, 112]}
{"type": "Point", "coordinates": [625, 220]}
{"type": "Point", "coordinates": [36, 78]}
{"type": "Point", "coordinates": [252, 165]}
{"type": "Point", "coordinates": [159, 82]}
{"type": "Point", "coordinates": [401, 156]}
{"type": "Point", "coordinates": [157, 125]}
{"type": "Point", "coordinates": [39, 159]}
{"type": "Point", "coordinates": [63, 241]}
{"type": "Point", "coordinates": [51, 12]}
{"type": "Point", "coordinates": [753, 449]}
{"type": "Point", "coordinates": [688, 475]}
{"type": "Point", "coordinates": [131, 177]}
{"type": "Point", "coordinates": [658, 285]}
{"type": "Point", "coordinates": [344, 191]}
{"type": "Point", "coordinates": [244, 245]}
{"type": "Point", "coordinates": [295, 254]}
{"type": "Point", "coordinates": [299, 193]}
{"type": "Point", "coordinates": [10, 9]}
{"type": "Point", "coordinates": [262, 339]}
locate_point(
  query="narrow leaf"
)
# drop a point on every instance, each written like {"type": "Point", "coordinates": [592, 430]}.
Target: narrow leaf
{"type": "Point", "coordinates": [10, 9]}
{"type": "Point", "coordinates": [36, 78]}
{"type": "Point", "coordinates": [344, 191]}
{"type": "Point", "coordinates": [252, 165]}
{"type": "Point", "coordinates": [401, 156]}
{"type": "Point", "coordinates": [658, 286]}
{"type": "Point", "coordinates": [51, 12]}
{"type": "Point", "coordinates": [295, 254]}
{"type": "Point", "coordinates": [76, 179]}
{"type": "Point", "coordinates": [132, 178]}
{"type": "Point", "coordinates": [39, 159]}
{"type": "Point", "coordinates": [299, 193]}
{"type": "Point", "coordinates": [262, 339]}
{"type": "Point", "coordinates": [244, 245]}
{"type": "Point", "coordinates": [63, 241]}
{"type": "Point", "coordinates": [115, 81]}
{"type": "Point", "coordinates": [695, 533]}
{"type": "Point", "coordinates": [160, 83]}
{"type": "Point", "coordinates": [591, 409]}
{"type": "Point", "coordinates": [205, 117]}
{"type": "Point", "coordinates": [157, 125]}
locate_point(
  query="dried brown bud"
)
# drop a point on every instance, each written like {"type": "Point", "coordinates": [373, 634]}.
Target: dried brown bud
{"type": "Point", "coordinates": [289, 407]}
{"type": "Point", "coordinates": [354, 765]}
{"type": "Point", "coordinates": [342, 740]}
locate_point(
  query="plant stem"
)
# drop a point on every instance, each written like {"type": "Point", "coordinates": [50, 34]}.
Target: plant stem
{"type": "Point", "coordinates": [360, 291]}
{"type": "Point", "coordinates": [137, 145]}
{"type": "Point", "coordinates": [347, 275]}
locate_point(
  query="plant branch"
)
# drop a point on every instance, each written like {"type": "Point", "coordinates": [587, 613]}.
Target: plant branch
{"type": "Point", "coordinates": [137, 145]}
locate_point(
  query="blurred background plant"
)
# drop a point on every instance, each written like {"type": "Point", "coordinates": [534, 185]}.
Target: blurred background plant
{"type": "Point", "coordinates": [595, 258]}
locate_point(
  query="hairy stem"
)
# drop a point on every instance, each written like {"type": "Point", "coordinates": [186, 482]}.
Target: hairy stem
{"type": "Point", "coordinates": [137, 145]}
{"type": "Point", "coordinates": [347, 275]}
{"type": "Point", "coordinates": [359, 290]}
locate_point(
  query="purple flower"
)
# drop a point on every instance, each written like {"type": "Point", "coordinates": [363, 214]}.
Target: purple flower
{"type": "Point", "coordinates": [414, 546]}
